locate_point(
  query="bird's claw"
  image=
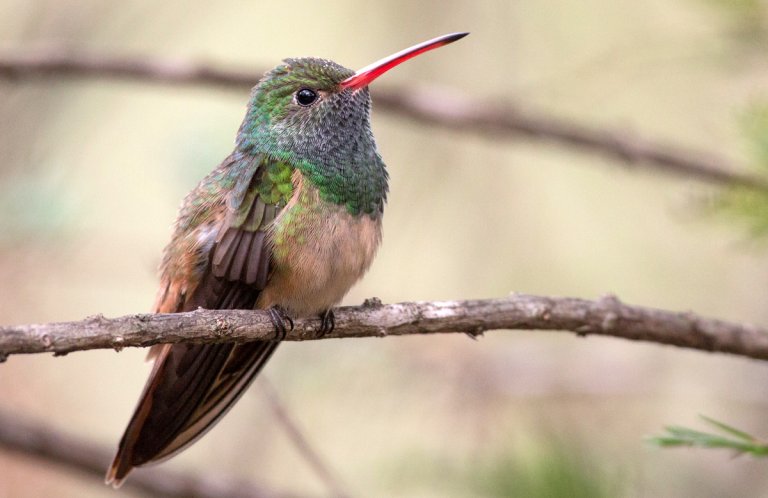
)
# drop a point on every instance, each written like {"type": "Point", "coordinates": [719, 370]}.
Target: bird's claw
{"type": "Point", "coordinates": [474, 334]}
{"type": "Point", "coordinates": [282, 322]}
{"type": "Point", "coordinates": [327, 323]}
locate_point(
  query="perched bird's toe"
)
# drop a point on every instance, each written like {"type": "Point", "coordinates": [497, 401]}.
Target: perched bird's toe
{"type": "Point", "coordinates": [327, 323]}
{"type": "Point", "coordinates": [282, 322]}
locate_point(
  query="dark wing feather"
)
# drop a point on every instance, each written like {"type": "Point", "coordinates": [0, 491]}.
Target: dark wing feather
{"type": "Point", "coordinates": [249, 358]}
{"type": "Point", "coordinates": [192, 385]}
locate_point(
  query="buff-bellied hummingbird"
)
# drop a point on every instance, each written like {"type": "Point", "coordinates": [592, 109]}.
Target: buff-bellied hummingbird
{"type": "Point", "coordinates": [287, 223]}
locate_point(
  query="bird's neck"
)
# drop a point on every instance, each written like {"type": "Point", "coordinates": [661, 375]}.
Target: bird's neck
{"type": "Point", "coordinates": [359, 182]}
{"type": "Point", "coordinates": [335, 151]}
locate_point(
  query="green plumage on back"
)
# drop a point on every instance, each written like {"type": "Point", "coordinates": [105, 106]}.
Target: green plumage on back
{"type": "Point", "coordinates": [275, 186]}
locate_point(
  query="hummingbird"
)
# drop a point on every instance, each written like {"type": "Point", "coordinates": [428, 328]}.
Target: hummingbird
{"type": "Point", "coordinates": [287, 223]}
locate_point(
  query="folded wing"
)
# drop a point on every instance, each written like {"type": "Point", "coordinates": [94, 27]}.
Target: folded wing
{"type": "Point", "coordinates": [192, 386]}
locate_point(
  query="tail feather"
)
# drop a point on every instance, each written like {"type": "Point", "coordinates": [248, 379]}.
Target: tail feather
{"type": "Point", "coordinates": [190, 388]}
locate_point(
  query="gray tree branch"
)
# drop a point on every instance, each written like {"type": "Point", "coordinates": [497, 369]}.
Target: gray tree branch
{"type": "Point", "coordinates": [429, 106]}
{"type": "Point", "coordinates": [606, 316]}
{"type": "Point", "coordinates": [73, 453]}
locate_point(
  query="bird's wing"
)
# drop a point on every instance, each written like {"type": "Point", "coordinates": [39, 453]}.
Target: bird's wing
{"type": "Point", "coordinates": [192, 386]}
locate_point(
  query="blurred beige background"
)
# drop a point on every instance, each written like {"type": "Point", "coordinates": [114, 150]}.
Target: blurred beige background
{"type": "Point", "coordinates": [92, 173]}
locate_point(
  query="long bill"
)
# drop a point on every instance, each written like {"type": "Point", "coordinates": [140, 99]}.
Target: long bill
{"type": "Point", "coordinates": [372, 71]}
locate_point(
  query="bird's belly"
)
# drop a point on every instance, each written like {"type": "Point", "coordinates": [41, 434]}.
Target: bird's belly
{"type": "Point", "coordinates": [319, 252]}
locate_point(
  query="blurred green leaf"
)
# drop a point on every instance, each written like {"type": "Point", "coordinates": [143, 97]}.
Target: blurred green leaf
{"type": "Point", "coordinates": [754, 122]}
{"type": "Point", "coordinates": [741, 204]}
{"type": "Point", "coordinates": [733, 439]}
{"type": "Point", "coordinates": [749, 18]}
{"type": "Point", "coordinates": [727, 428]}
{"type": "Point", "coordinates": [555, 472]}
{"type": "Point", "coordinates": [745, 206]}
{"type": "Point", "coordinates": [545, 468]}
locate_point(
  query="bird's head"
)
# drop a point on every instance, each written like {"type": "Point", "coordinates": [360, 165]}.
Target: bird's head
{"type": "Point", "coordinates": [310, 109]}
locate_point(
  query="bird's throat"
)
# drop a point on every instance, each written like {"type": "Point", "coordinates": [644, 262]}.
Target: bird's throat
{"type": "Point", "coordinates": [360, 187]}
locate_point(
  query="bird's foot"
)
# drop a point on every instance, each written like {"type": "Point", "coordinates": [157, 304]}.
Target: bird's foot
{"type": "Point", "coordinates": [474, 334]}
{"type": "Point", "coordinates": [282, 322]}
{"type": "Point", "coordinates": [327, 323]}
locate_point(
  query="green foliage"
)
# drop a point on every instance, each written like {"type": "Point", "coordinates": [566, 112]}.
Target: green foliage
{"type": "Point", "coordinates": [745, 205]}
{"type": "Point", "coordinates": [748, 18]}
{"type": "Point", "coordinates": [555, 472]}
{"type": "Point", "coordinates": [544, 468]}
{"type": "Point", "coordinates": [732, 439]}
{"type": "Point", "coordinates": [755, 126]}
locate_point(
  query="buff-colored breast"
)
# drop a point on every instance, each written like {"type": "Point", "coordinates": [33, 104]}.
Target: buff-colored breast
{"type": "Point", "coordinates": [319, 252]}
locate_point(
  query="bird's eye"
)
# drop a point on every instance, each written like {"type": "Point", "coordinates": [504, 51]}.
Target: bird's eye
{"type": "Point", "coordinates": [306, 97]}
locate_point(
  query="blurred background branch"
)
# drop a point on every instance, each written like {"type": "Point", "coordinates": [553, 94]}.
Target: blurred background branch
{"type": "Point", "coordinates": [606, 316]}
{"type": "Point", "coordinates": [431, 106]}
{"type": "Point", "coordinates": [37, 440]}
{"type": "Point", "coordinates": [299, 439]}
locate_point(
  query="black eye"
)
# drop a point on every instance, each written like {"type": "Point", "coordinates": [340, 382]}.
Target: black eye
{"type": "Point", "coordinates": [306, 97]}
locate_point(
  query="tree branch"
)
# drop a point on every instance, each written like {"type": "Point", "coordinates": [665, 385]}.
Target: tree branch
{"type": "Point", "coordinates": [39, 441]}
{"type": "Point", "coordinates": [606, 316]}
{"type": "Point", "coordinates": [429, 106]}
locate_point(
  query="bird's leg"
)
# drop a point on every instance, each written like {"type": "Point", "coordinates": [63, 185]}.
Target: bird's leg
{"type": "Point", "coordinates": [327, 323]}
{"type": "Point", "coordinates": [282, 322]}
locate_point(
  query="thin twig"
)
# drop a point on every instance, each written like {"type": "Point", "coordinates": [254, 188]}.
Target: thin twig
{"type": "Point", "coordinates": [606, 316]}
{"type": "Point", "coordinates": [40, 441]}
{"type": "Point", "coordinates": [429, 106]}
{"type": "Point", "coordinates": [300, 441]}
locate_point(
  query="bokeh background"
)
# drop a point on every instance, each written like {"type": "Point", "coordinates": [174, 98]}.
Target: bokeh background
{"type": "Point", "coordinates": [92, 173]}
